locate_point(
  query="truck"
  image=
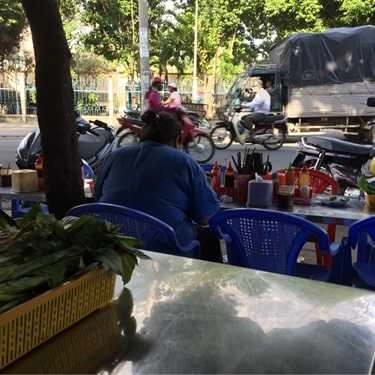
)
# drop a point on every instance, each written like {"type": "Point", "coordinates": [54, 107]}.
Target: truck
{"type": "Point", "coordinates": [318, 81]}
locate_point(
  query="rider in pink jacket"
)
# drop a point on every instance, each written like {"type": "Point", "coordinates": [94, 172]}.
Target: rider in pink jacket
{"type": "Point", "coordinates": [153, 98]}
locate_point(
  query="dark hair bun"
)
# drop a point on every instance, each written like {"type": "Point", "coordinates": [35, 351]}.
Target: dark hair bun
{"type": "Point", "coordinates": [150, 117]}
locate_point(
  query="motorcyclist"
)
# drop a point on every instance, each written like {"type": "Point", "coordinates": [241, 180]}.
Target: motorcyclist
{"type": "Point", "coordinates": [154, 103]}
{"type": "Point", "coordinates": [260, 106]}
{"type": "Point", "coordinates": [152, 96]}
{"type": "Point", "coordinates": [174, 99]}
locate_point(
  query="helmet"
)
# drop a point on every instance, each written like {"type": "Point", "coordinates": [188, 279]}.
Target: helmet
{"type": "Point", "coordinates": [156, 81]}
{"type": "Point", "coordinates": [173, 85]}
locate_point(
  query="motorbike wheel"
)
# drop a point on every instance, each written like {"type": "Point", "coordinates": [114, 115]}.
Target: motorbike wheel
{"type": "Point", "coordinates": [275, 140]}
{"type": "Point", "coordinates": [127, 139]}
{"type": "Point", "coordinates": [221, 136]}
{"type": "Point", "coordinates": [201, 148]}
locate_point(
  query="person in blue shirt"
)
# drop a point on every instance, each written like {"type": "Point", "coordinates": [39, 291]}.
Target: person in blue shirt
{"type": "Point", "coordinates": [156, 178]}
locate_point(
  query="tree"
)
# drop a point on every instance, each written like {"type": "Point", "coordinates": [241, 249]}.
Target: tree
{"type": "Point", "coordinates": [55, 104]}
{"type": "Point", "coordinates": [12, 23]}
{"type": "Point", "coordinates": [357, 12]}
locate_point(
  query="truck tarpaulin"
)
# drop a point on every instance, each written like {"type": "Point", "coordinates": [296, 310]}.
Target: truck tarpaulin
{"type": "Point", "coordinates": [334, 56]}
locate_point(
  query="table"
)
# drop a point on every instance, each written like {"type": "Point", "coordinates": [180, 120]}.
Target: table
{"type": "Point", "coordinates": [180, 315]}
{"type": "Point", "coordinates": [323, 214]}
{"type": "Point", "coordinates": [8, 193]}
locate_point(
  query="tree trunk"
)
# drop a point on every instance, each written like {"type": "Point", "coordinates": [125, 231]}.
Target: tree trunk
{"type": "Point", "coordinates": [55, 103]}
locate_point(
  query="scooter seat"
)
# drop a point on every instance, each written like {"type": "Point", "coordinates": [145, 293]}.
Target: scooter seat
{"type": "Point", "coordinates": [339, 146]}
{"type": "Point", "coordinates": [268, 119]}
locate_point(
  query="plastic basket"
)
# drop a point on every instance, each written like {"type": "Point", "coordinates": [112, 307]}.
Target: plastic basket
{"type": "Point", "coordinates": [32, 323]}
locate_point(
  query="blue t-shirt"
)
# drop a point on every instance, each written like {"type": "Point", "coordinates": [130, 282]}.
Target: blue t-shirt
{"type": "Point", "coordinates": [161, 181]}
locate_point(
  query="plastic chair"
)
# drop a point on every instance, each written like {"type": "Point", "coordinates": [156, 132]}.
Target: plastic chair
{"type": "Point", "coordinates": [208, 167]}
{"type": "Point", "coordinates": [88, 172]}
{"type": "Point", "coordinates": [271, 241]}
{"type": "Point", "coordinates": [362, 237]}
{"type": "Point", "coordinates": [154, 233]}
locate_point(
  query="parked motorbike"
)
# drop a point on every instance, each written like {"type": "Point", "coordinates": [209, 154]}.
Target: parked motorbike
{"type": "Point", "coordinates": [194, 141]}
{"type": "Point", "coordinates": [270, 131]}
{"type": "Point", "coordinates": [95, 141]}
{"type": "Point", "coordinates": [344, 161]}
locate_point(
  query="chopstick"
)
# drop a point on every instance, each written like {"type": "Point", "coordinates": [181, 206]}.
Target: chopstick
{"type": "Point", "coordinates": [235, 164]}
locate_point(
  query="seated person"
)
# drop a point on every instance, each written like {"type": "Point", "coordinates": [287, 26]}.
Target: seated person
{"type": "Point", "coordinates": [156, 178]}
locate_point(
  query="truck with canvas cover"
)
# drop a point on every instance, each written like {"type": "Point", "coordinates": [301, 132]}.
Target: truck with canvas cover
{"type": "Point", "coordinates": [317, 80]}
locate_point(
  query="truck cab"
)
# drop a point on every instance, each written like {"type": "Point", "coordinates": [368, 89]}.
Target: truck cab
{"type": "Point", "coordinates": [242, 89]}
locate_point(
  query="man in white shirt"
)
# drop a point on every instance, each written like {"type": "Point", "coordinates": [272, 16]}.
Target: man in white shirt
{"type": "Point", "coordinates": [260, 106]}
{"type": "Point", "coordinates": [262, 100]}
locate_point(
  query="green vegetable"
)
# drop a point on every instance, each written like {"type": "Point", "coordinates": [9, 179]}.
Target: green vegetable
{"type": "Point", "coordinates": [39, 252]}
{"type": "Point", "coordinates": [365, 186]}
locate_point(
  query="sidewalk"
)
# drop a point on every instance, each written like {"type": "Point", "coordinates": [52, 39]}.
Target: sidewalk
{"type": "Point", "coordinates": [15, 129]}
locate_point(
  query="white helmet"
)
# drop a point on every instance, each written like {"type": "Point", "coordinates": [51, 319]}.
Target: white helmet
{"type": "Point", "coordinates": [173, 85]}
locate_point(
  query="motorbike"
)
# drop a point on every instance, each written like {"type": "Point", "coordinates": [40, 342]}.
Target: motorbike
{"type": "Point", "coordinates": [193, 140]}
{"type": "Point", "coordinates": [199, 120]}
{"type": "Point", "coordinates": [95, 141]}
{"type": "Point", "coordinates": [344, 161]}
{"type": "Point", "coordinates": [270, 131]}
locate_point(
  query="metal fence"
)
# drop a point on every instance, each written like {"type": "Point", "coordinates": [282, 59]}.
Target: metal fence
{"type": "Point", "coordinates": [10, 102]}
{"type": "Point", "coordinates": [97, 102]}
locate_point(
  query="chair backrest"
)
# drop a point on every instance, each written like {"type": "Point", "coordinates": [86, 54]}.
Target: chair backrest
{"type": "Point", "coordinates": [155, 234]}
{"type": "Point", "coordinates": [264, 239]}
{"type": "Point", "coordinates": [88, 172]}
{"type": "Point", "coordinates": [208, 167]}
{"type": "Point", "coordinates": [362, 237]}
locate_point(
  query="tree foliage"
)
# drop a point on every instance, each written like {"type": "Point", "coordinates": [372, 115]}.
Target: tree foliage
{"type": "Point", "coordinates": [232, 33]}
{"type": "Point", "coordinates": [12, 22]}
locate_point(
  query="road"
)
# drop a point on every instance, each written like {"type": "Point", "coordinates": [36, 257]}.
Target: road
{"type": "Point", "coordinates": [280, 159]}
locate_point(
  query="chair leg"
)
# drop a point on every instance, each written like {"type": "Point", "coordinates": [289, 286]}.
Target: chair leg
{"type": "Point", "coordinates": [326, 260]}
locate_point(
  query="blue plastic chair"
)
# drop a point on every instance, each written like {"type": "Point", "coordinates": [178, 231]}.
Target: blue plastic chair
{"type": "Point", "coordinates": [271, 241]}
{"type": "Point", "coordinates": [362, 238]}
{"type": "Point", "coordinates": [208, 167]}
{"type": "Point", "coordinates": [87, 170]}
{"type": "Point", "coordinates": [154, 233]}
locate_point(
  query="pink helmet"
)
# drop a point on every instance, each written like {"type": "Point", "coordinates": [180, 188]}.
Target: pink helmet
{"type": "Point", "coordinates": [156, 81]}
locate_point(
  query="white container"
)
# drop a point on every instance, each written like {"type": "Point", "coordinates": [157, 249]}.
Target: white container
{"type": "Point", "coordinates": [24, 181]}
{"type": "Point", "coordinates": [259, 194]}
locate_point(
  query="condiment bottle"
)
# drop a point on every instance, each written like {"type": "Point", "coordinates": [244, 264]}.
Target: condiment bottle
{"type": "Point", "coordinates": [304, 178]}
{"type": "Point", "coordinates": [289, 176]}
{"type": "Point", "coordinates": [229, 180]}
{"type": "Point", "coordinates": [216, 177]}
{"type": "Point", "coordinates": [304, 184]}
{"type": "Point", "coordinates": [39, 170]}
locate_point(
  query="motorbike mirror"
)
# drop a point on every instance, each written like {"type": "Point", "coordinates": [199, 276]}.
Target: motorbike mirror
{"type": "Point", "coordinates": [370, 102]}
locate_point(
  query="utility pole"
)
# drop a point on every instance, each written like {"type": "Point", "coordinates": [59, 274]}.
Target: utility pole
{"type": "Point", "coordinates": [195, 62]}
{"type": "Point", "coordinates": [144, 54]}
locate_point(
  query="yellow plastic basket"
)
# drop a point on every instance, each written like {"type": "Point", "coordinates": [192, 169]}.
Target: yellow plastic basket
{"type": "Point", "coordinates": [30, 324]}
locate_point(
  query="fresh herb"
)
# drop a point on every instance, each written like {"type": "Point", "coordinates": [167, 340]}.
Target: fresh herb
{"type": "Point", "coordinates": [39, 252]}
{"type": "Point", "coordinates": [365, 186]}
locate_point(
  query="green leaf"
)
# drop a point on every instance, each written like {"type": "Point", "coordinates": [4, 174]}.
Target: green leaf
{"type": "Point", "coordinates": [129, 261]}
